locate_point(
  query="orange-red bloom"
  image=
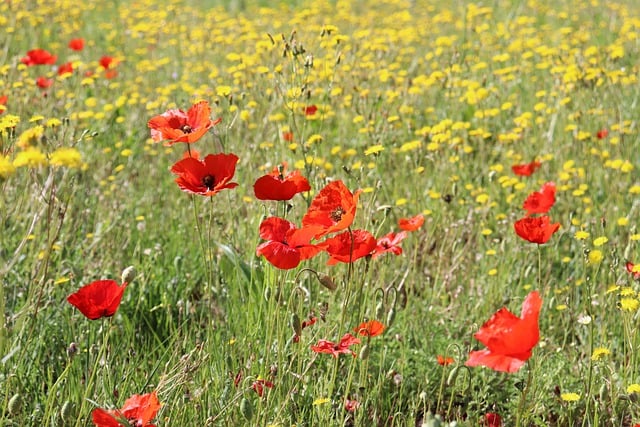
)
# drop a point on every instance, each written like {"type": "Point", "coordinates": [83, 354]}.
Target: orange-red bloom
{"type": "Point", "coordinates": [175, 125]}
{"type": "Point", "coordinates": [536, 229]}
{"type": "Point", "coordinates": [334, 349]}
{"type": "Point", "coordinates": [138, 411]}
{"type": "Point", "coordinates": [526, 169]}
{"type": "Point", "coordinates": [389, 243]}
{"type": "Point", "coordinates": [444, 360]}
{"type": "Point", "coordinates": [333, 208]}
{"type": "Point", "coordinates": [629, 266]}
{"type": "Point", "coordinates": [492, 420]}
{"type": "Point", "coordinates": [280, 186]}
{"type": "Point", "coordinates": [3, 102]}
{"type": "Point", "coordinates": [38, 57]}
{"type": "Point", "coordinates": [349, 246]}
{"type": "Point", "coordinates": [310, 110]}
{"type": "Point", "coordinates": [98, 299]}
{"type": "Point", "coordinates": [372, 328]}
{"type": "Point", "coordinates": [76, 44]}
{"type": "Point", "coordinates": [539, 202]}
{"type": "Point", "coordinates": [411, 224]}
{"type": "Point", "coordinates": [602, 133]}
{"type": "Point", "coordinates": [67, 67]}
{"type": "Point", "coordinates": [509, 339]}
{"type": "Point", "coordinates": [286, 245]}
{"type": "Point", "coordinates": [44, 82]}
{"type": "Point", "coordinates": [206, 177]}
{"type": "Point", "coordinates": [107, 62]}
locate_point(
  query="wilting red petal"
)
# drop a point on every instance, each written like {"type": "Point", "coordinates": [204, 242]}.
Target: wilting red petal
{"type": "Point", "coordinates": [411, 224]}
{"type": "Point", "coordinates": [389, 243]}
{"type": "Point", "coordinates": [98, 299]}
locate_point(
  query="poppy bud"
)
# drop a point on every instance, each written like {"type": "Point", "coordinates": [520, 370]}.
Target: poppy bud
{"type": "Point", "coordinates": [380, 310]}
{"type": "Point", "coordinates": [391, 316]}
{"type": "Point", "coordinates": [451, 379]}
{"type": "Point", "coordinates": [267, 293]}
{"type": "Point", "coordinates": [128, 274]}
{"type": "Point", "coordinates": [246, 409]}
{"type": "Point", "coordinates": [15, 404]}
{"type": "Point", "coordinates": [67, 412]}
{"type": "Point", "coordinates": [296, 324]}
{"type": "Point", "coordinates": [364, 352]}
{"type": "Point", "coordinates": [327, 281]}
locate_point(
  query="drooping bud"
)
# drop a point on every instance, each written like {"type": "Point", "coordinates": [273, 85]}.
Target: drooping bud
{"type": "Point", "coordinates": [364, 352]}
{"type": "Point", "coordinates": [327, 281]}
{"type": "Point", "coordinates": [391, 316]}
{"type": "Point", "coordinates": [67, 412]}
{"type": "Point", "coordinates": [128, 274]}
{"type": "Point", "coordinates": [15, 404]}
{"type": "Point", "coordinates": [246, 409]}
{"type": "Point", "coordinates": [296, 324]}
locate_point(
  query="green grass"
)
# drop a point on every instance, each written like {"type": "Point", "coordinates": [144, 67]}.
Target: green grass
{"type": "Point", "coordinates": [454, 94]}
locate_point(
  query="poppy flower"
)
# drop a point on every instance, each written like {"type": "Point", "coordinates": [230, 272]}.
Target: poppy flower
{"type": "Point", "coordinates": [305, 324]}
{"type": "Point", "coordinates": [630, 268]}
{"type": "Point", "coordinates": [444, 360]}
{"type": "Point", "coordinates": [536, 229]}
{"type": "Point", "coordinates": [286, 245]}
{"type": "Point", "coordinates": [389, 243]}
{"type": "Point", "coordinates": [3, 103]}
{"type": "Point", "coordinates": [310, 110]}
{"type": "Point", "coordinates": [602, 133]}
{"type": "Point", "coordinates": [328, 347]}
{"type": "Point", "coordinates": [411, 224]}
{"type": "Point", "coordinates": [177, 126]}
{"type": "Point", "coordinates": [107, 62]}
{"type": "Point", "coordinates": [372, 328]}
{"type": "Point", "coordinates": [44, 82]}
{"type": "Point", "coordinates": [333, 208]}
{"type": "Point", "coordinates": [539, 202]}
{"type": "Point", "coordinates": [351, 405]}
{"type": "Point", "coordinates": [98, 299]}
{"type": "Point", "coordinates": [206, 177]}
{"type": "Point", "coordinates": [509, 339]}
{"type": "Point", "coordinates": [526, 169]}
{"type": "Point", "coordinates": [138, 411]}
{"type": "Point", "coordinates": [76, 44]}
{"type": "Point", "coordinates": [349, 246]}
{"type": "Point", "coordinates": [287, 136]}
{"type": "Point", "coordinates": [65, 68]}
{"type": "Point", "coordinates": [38, 57]}
{"type": "Point", "coordinates": [491, 419]}
{"type": "Point", "coordinates": [259, 385]}
{"type": "Point", "coordinates": [278, 186]}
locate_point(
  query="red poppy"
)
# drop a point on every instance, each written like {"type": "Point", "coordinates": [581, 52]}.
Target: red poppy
{"type": "Point", "coordinates": [349, 246]}
{"type": "Point", "coordinates": [107, 62]}
{"type": "Point", "coordinates": [98, 299]}
{"type": "Point", "coordinates": [3, 103]}
{"type": "Point", "coordinates": [351, 405]}
{"type": "Point", "coordinates": [334, 349]}
{"type": "Point", "coordinates": [305, 324]}
{"type": "Point", "coordinates": [206, 177]}
{"type": "Point", "coordinates": [444, 360]}
{"type": "Point", "coordinates": [65, 68]}
{"type": "Point", "coordinates": [629, 266]}
{"type": "Point", "coordinates": [602, 133]}
{"type": "Point", "coordinates": [492, 420]}
{"type": "Point", "coordinates": [310, 110]}
{"type": "Point", "coordinates": [372, 328]}
{"type": "Point", "coordinates": [44, 82]}
{"type": "Point", "coordinates": [278, 186]}
{"type": "Point", "coordinates": [411, 224]}
{"type": "Point", "coordinates": [509, 339]}
{"type": "Point", "coordinates": [259, 385]}
{"type": "Point", "coordinates": [536, 229]}
{"type": "Point", "coordinates": [526, 169]}
{"type": "Point", "coordinates": [138, 411]}
{"type": "Point", "coordinates": [539, 202]}
{"type": "Point", "coordinates": [333, 208]}
{"type": "Point", "coordinates": [76, 44]}
{"type": "Point", "coordinates": [389, 243]}
{"type": "Point", "coordinates": [110, 74]}
{"type": "Point", "coordinates": [287, 136]}
{"type": "Point", "coordinates": [38, 57]}
{"type": "Point", "coordinates": [286, 245]}
{"type": "Point", "coordinates": [178, 126]}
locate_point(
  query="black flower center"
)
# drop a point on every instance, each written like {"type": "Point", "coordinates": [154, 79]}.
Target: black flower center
{"type": "Point", "coordinates": [186, 129]}
{"type": "Point", "coordinates": [337, 213]}
{"type": "Point", "coordinates": [209, 181]}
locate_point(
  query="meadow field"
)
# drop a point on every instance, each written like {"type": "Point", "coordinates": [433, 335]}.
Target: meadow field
{"type": "Point", "coordinates": [306, 213]}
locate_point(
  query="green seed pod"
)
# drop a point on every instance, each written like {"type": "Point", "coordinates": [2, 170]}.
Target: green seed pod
{"type": "Point", "coordinates": [128, 274]}
{"type": "Point", "coordinates": [391, 316]}
{"type": "Point", "coordinates": [246, 408]}
{"type": "Point", "coordinates": [15, 404]}
{"type": "Point", "coordinates": [267, 293]}
{"type": "Point", "coordinates": [67, 412]}
{"type": "Point", "coordinates": [364, 352]}
{"type": "Point", "coordinates": [380, 310]}
{"type": "Point", "coordinates": [296, 324]}
{"type": "Point", "coordinates": [451, 379]}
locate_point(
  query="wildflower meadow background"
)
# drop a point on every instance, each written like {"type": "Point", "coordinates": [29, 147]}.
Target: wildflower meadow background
{"type": "Point", "coordinates": [309, 213]}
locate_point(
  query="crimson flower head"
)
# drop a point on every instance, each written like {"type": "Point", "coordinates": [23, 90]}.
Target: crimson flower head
{"type": "Point", "coordinates": [411, 224]}
{"type": "Point", "coordinates": [259, 385]}
{"type": "Point", "coordinates": [138, 411]}
{"type": "Point", "coordinates": [333, 208]}
{"type": "Point", "coordinates": [328, 347]}
{"type": "Point", "coordinates": [175, 125]}
{"type": "Point", "coordinates": [349, 246]}
{"type": "Point", "coordinates": [286, 245]}
{"type": "Point", "coordinates": [509, 339]}
{"type": "Point", "coordinates": [492, 420]}
{"type": "Point", "coordinates": [3, 103]}
{"type": "Point", "coordinates": [206, 177]}
{"type": "Point", "coordinates": [602, 133]}
{"type": "Point", "coordinates": [526, 169]}
{"type": "Point", "coordinates": [44, 82]}
{"type": "Point", "coordinates": [389, 243]}
{"type": "Point", "coordinates": [107, 62]}
{"type": "Point", "coordinates": [76, 44]}
{"type": "Point", "coordinates": [630, 268]}
{"type": "Point", "coordinates": [67, 67]}
{"type": "Point", "coordinates": [372, 328]}
{"type": "Point", "coordinates": [98, 299]}
{"type": "Point", "coordinates": [39, 57]}
{"type": "Point", "coordinates": [280, 186]}
{"type": "Point", "coordinates": [536, 229]}
{"type": "Point", "coordinates": [539, 202]}
{"type": "Point", "coordinates": [310, 110]}
{"type": "Point", "coordinates": [444, 360]}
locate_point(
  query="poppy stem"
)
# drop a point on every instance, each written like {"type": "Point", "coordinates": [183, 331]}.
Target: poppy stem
{"type": "Point", "coordinates": [523, 396]}
{"type": "Point", "coordinates": [539, 267]}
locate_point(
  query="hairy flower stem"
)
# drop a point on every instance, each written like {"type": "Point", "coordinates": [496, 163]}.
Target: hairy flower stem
{"type": "Point", "coordinates": [523, 396]}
